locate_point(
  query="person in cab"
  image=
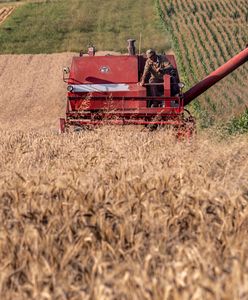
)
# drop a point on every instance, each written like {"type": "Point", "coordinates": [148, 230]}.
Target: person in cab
{"type": "Point", "coordinates": [155, 68]}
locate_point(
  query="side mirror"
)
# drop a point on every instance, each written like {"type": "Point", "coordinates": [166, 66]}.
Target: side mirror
{"type": "Point", "coordinates": [181, 85]}
{"type": "Point", "coordinates": [66, 70]}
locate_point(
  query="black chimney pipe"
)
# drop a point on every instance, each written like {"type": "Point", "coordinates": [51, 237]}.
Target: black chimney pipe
{"type": "Point", "coordinates": [131, 46]}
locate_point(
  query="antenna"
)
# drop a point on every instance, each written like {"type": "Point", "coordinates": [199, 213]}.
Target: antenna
{"type": "Point", "coordinates": [140, 43]}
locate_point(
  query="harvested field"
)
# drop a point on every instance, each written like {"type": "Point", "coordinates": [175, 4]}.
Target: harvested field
{"type": "Point", "coordinates": [121, 214]}
{"type": "Point", "coordinates": [5, 12]}
{"type": "Point", "coordinates": [33, 94]}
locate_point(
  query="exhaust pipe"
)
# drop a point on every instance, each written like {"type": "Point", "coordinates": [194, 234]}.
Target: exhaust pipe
{"type": "Point", "coordinates": [131, 46]}
{"type": "Point", "coordinates": [216, 76]}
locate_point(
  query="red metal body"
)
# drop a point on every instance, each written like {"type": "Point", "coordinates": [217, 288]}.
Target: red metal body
{"type": "Point", "coordinates": [105, 90]}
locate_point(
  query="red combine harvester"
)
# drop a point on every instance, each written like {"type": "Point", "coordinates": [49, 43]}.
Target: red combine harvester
{"type": "Point", "coordinates": [105, 90]}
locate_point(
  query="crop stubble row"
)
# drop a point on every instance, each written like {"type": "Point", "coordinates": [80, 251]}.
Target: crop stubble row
{"type": "Point", "coordinates": [208, 34]}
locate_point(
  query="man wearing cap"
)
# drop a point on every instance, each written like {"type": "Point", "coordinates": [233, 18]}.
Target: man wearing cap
{"type": "Point", "coordinates": [156, 66]}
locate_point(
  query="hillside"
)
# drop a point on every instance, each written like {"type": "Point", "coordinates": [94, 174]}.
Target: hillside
{"type": "Point", "coordinates": [62, 26]}
{"type": "Point", "coordinates": [206, 34]}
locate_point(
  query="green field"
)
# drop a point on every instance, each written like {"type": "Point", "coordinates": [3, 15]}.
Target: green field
{"type": "Point", "coordinates": [59, 26]}
{"type": "Point", "coordinates": [205, 34]}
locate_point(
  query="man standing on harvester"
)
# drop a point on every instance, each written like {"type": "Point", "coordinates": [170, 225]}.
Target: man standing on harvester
{"type": "Point", "coordinates": [157, 66]}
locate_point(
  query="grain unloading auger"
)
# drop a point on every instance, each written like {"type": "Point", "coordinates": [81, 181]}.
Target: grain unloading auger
{"type": "Point", "coordinates": [105, 90]}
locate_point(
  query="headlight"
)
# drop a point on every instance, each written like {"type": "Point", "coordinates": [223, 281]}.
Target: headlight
{"type": "Point", "coordinates": [69, 88]}
{"type": "Point", "coordinates": [181, 85]}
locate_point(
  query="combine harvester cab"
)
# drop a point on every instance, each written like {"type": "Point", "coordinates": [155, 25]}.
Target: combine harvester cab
{"type": "Point", "coordinates": [105, 90]}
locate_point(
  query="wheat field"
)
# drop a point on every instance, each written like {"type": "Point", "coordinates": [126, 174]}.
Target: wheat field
{"type": "Point", "coordinates": [122, 214]}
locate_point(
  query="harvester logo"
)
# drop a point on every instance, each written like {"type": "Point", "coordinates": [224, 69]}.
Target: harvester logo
{"type": "Point", "coordinates": [104, 69]}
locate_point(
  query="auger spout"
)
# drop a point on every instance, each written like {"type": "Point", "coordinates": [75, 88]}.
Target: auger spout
{"type": "Point", "coordinates": [216, 76]}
